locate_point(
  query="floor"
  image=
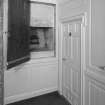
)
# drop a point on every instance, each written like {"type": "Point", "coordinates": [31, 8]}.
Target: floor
{"type": "Point", "coordinates": [48, 99]}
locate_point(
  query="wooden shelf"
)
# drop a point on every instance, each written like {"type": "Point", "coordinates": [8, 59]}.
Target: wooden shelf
{"type": "Point", "coordinates": [32, 27]}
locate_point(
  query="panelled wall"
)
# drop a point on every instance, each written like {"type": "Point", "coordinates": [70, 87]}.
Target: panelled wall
{"type": "Point", "coordinates": [95, 54]}
{"type": "Point", "coordinates": [1, 54]}
{"type": "Point", "coordinates": [94, 65]}
{"type": "Point", "coordinates": [30, 80]}
{"type": "Point", "coordinates": [36, 77]}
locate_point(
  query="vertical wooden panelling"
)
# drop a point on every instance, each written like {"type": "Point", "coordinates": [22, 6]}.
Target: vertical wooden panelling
{"type": "Point", "coordinates": [95, 74]}
{"type": "Point", "coordinates": [1, 52]}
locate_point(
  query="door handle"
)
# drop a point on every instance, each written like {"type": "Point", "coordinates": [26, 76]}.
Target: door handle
{"type": "Point", "coordinates": [64, 59]}
{"type": "Point", "coordinates": [70, 34]}
{"type": "Point", "coordinates": [102, 67]}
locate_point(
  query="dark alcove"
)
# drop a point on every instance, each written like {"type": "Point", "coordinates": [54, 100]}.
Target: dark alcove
{"type": "Point", "coordinates": [18, 32]}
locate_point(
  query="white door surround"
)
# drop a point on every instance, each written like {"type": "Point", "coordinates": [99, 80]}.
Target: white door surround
{"type": "Point", "coordinates": [83, 18]}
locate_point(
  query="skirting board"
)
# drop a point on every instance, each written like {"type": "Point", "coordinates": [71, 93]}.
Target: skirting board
{"type": "Point", "coordinates": [24, 96]}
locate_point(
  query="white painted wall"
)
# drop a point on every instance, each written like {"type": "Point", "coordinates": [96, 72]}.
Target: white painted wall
{"type": "Point", "coordinates": [72, 8]}
{"type": "Point", "coordinates": [36, 77]}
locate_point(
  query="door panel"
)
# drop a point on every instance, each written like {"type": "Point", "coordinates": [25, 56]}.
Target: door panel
{"type": "Point", "coordinates": [71, 61]}
{"type": "Point", "coordinates": [75, 82]}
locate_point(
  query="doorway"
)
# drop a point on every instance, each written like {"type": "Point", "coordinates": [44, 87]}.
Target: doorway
{"type": "Point", "coordinates": [71, 61]}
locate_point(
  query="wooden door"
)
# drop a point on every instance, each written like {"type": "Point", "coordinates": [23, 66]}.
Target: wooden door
{"type": "Point", "coordinates": [18, 32]}
{"type": "Point", "coordinates": [72, 61]}
{"type": "Point", "coordinates": [1, 55]}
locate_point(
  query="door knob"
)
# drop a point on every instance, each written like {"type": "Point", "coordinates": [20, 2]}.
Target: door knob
{"type": "Point", "coordinates": [102, 67]}
{"type": "Point", "coordinates": [64, 59]}
{"type": "Point", "coordinates": [70, 34]}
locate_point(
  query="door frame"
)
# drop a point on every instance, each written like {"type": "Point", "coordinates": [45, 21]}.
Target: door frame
{"type": "Point", "coordinates": [83, 18]}
{"type": "Point", "coordinates": [5, 35]}
{"type": "Point", "coordinates": [2, 54]}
